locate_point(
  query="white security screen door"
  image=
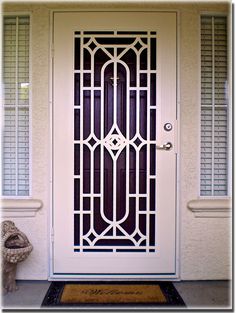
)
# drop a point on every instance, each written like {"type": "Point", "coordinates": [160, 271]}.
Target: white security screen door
{"type": "Point", "coordinates": [114, 144]}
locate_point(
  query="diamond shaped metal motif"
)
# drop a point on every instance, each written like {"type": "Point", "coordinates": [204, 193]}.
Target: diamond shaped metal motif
{"type": "Point", "coordinates": [138, 45]}
{"type": "Point", "coordinates": [91, 237]}
{"type": "Point", "coordinates": [92, 141]}
{"type": "Point", "coordinates": [92, 46]}
{"type": "Point", "coordinates": [137, 237]}
{"type": "Point", "coordinates": [115, 141]}
{"type": "Point", "coordinates": [137, 141]}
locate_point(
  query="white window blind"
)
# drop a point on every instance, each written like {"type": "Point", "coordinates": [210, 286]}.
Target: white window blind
{"type": "Point", "coordinates": [214, 106]}
{"type": "Point", "coordinates": [16, 154]}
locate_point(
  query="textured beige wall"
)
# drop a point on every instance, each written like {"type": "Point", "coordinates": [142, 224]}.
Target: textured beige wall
{"type": "Point", "coordinates": [36, 228]}
{"type": "Point", "coordinates": [204, 242]}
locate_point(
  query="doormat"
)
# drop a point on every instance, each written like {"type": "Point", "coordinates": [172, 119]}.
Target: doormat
{"type": "Point", "coordinates": [112, 294]}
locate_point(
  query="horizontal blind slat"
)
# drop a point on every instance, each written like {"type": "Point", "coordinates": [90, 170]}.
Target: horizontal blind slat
{"type": "Point", "coordinates": [16, 144]}
{"type": "Point", "coordinates": [214, 131]}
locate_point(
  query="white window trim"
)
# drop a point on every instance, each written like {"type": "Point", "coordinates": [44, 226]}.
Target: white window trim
{"type": "Point", "coordinates": [23, 206]}
{"type": "Point", "coordinates": [20, 207]}
{"type": "Point", "coordinates": [215, 206]}
{"type": "Point", "coordinates": [214, 14]}
{"type": "Point", "coordinates": [211, 207]}
{"type": "Point", "coordinates": [22, 13]}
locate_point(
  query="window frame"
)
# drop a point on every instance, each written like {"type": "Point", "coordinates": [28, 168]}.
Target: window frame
{"type": "Point", "coordinates": [229, 108]}
{"type": "Point", "coordinates": [20, 14]}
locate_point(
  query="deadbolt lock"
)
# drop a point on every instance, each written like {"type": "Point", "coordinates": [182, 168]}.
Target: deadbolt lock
{"type": "Point", "coordinates": [168, 127]}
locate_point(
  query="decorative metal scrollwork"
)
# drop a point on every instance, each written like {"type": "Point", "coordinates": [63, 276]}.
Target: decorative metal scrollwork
{"type": "Point", "coordinates": [115, 115]}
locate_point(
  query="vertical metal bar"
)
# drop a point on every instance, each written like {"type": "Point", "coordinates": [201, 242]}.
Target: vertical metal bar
{"type": "Point", "coordinates": [156, 134]}
{"type": "Point", "coordinates": [91, 187]}
{"type": "Point", "coordinates": [213, 108]}
{"type": "Point", "coordinates": [148, 140]}
{"type": "Point", "coordinates": [115, 87]}
{"type": "Point", "coordinates": [92, 150]}
{"type": "Point", "coordinates": [115, 123]}
{"type": "Point", "coordinates": [137, 131]}
{"type": "Point", "coordinates": [128, 138]}
{"type": "Point", "coordinates": [81, 138]}
{"type": "Point", "coordinates": [156, 131]}
{"type": "Point", "coordinates": [102, 126]}
{"type": "Point", "coordinates": [114, 195]}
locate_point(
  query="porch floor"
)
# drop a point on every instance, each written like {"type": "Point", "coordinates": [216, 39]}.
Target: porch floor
{"type": "Point", "coordinates": [196, 294]}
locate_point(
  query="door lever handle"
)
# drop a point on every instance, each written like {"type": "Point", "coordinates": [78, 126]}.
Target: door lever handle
{"type": "Point", "coordinates": [166, 146]}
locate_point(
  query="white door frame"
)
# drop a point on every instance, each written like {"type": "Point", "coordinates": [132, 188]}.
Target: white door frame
{"type": "Point", "coordinates": [51, 234]}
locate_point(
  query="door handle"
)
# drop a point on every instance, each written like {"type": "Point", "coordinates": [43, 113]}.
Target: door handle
{"type": "Point", "coordinates": [166, 146]}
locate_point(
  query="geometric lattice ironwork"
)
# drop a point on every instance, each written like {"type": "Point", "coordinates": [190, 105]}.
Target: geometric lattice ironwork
{"type": "Point", "coordinates": [115, 101]}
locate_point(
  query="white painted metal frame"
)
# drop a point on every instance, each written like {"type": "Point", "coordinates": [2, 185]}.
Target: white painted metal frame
{"type": "Point", "coordinates": [121, 141]}
{"type": "Point", "coordinates": [120, 276]}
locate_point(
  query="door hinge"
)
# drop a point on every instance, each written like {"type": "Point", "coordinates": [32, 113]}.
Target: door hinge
{"type": "Point", "coordinates": [52, 51]}
{"type": "Point", "coordinates": [52, 235]}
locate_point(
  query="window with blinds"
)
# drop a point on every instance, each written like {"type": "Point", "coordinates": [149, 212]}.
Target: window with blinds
{"type": "Point", "coordinates": [214, 106]}
{"type": "Point", "coordinates": [16, 152]}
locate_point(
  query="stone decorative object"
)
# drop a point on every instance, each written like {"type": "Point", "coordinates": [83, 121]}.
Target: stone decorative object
{"type": "Point", "coordinates": [15, 248]}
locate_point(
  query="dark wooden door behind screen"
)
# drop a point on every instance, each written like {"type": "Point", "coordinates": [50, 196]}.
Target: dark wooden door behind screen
{"type": "Point", "coordinates": [105, 91]}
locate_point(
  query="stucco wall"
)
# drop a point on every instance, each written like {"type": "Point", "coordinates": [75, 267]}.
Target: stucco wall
{"type": "Point", "coordinates": [204, 242]}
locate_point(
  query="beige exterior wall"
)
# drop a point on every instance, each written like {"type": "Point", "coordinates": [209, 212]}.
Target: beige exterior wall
{"type": "Point", "coordinates": [204, 242]}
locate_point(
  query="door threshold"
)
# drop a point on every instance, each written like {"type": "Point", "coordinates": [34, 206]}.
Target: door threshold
{"type": "Point", "coordinates": [113, 279]}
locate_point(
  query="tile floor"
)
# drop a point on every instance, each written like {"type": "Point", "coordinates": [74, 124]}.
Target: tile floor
{"type": "Point", "coordinates": [196, 295]}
